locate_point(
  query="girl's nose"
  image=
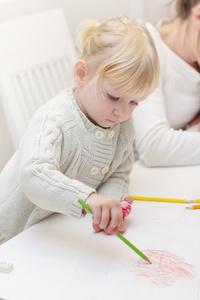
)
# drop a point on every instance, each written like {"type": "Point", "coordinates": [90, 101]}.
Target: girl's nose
{"type": "Point", "coordinates": [120, 111]}
{"type": "Point", "coordinates": [116, 112]}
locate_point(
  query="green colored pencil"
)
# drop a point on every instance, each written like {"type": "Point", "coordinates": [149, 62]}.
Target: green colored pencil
{"type": "Point", "coordinates": [119, 235]}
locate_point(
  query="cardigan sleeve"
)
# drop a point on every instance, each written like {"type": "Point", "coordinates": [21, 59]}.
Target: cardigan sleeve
{"type": "Point", "coordinates": [41, 179]}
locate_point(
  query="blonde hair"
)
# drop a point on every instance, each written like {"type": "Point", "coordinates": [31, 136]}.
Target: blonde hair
{"type": "Point", "coordinates": [123, 51]}
{"type": "Point", "coordinates": [184, 7]}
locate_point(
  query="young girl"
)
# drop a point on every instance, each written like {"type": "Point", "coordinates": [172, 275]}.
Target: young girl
{"type": "Point", "coordinates": [161, 124]}
{"type": "Point", "coordinates": [78, 145]}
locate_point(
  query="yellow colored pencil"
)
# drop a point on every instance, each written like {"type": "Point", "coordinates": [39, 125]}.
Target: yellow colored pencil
{"type": "Point", "coordinates": [165, 199]}
{"type": "Point", "coordinates": [193, 207]}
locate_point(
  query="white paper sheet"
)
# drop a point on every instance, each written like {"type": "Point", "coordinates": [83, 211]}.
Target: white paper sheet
{"type": "Point", "coordinates": [168, 235]}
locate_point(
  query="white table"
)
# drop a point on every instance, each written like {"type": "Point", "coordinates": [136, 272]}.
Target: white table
{"type": "Point", "coordinates": [48, 255]}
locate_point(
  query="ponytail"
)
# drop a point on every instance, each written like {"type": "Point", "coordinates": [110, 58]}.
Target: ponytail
{"type": "Point", "coordinates": [87, 37]}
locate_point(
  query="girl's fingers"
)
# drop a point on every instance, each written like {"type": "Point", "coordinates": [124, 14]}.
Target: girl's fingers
{"type": "Point", "coordinates": [105, 217]}
{"type": "Point", "coordinates": [120, 229]}
{"type": "Point", "coordinates": [109, 216]}
{"type": "Point", "coordinates": [122, 226]}
{"type": "Point", "coordinates": [96, 215]}
{"type": "Point", "coordinates": [96, 227]}
{"type": "Point", "coordinates": [129, 200]}
{"type": "Point", "coordinates": [114, 231]}
{"type": "Point", "coordinates": [115, 222]}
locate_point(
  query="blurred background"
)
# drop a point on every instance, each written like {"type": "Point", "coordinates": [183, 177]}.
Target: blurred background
{"type": "Point", "coordinates": [74, 12]}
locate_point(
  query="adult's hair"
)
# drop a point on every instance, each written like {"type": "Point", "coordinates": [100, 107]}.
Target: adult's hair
{"type": "Point", "coordinates": [184, 7]}
{"type": "Point", "coordinates": [122, 51]}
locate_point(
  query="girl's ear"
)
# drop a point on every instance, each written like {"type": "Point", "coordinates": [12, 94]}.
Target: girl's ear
{"type": "Point", "coordinates": [80, 72]}
{"type": "Point", "coordinates": [196, 18]}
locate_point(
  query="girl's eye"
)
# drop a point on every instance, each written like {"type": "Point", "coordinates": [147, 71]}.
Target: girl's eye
{"type": "Point", "coordinates": [112, 98]}
{"type": "Point", "coordinates": [134, 103]}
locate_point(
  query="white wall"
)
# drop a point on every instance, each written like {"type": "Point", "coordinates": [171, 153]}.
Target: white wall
{"type": "Point", "coordinates": [75, 12]}
{"type": "Point", "coordinates": [154, 10]}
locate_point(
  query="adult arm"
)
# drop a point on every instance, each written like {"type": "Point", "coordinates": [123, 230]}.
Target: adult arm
{"type": "Point", "coordinates": [157, 143]}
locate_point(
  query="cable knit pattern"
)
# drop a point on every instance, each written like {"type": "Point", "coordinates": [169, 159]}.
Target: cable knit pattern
{"type": "Point", "coordinates": [62, 157]}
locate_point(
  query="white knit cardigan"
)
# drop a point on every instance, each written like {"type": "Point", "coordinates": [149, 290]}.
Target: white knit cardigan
{"type": "Point", "coordinates": [62, 157]}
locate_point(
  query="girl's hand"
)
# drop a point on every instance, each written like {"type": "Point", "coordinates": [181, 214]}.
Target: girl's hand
{"type": "Point", "coordinates": [109, 211]}
{"type": "Point", "coordinates": [129, 200]}
{"type": "Point", "coordinates": [120, 229]}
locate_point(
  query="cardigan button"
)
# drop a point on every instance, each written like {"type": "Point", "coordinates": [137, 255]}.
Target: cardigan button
{"type": "Point", "coordinates": [105, 170]}
{"type": "Point", "coordinates": [99, 135]}
{"type": "Point", "coordinates": [94, 171]}
{"type": "Point", "coordinates": [111, 134]}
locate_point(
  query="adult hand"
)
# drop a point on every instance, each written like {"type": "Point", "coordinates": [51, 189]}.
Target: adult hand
{"type": "Point", "coordinates": [195, 122]}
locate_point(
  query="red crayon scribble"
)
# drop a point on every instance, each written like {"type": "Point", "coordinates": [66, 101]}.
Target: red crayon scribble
{"type": "Point", "coordinates": [166, 269]}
